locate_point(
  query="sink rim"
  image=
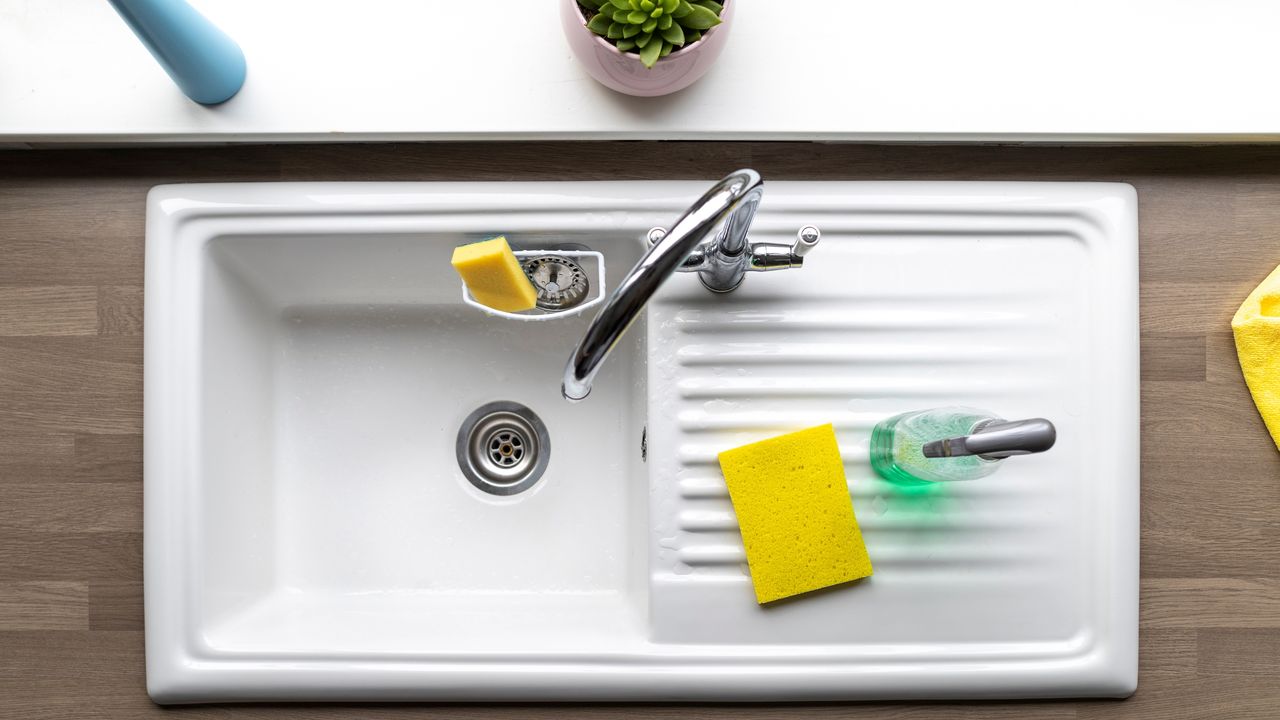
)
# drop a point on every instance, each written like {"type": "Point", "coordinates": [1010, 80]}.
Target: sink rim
{"type": "Point", "coordinates": [178, 671]}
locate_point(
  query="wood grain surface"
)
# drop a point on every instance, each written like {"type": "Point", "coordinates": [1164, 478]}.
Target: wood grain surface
{"type": "Point", "coordinates": [71, 269]}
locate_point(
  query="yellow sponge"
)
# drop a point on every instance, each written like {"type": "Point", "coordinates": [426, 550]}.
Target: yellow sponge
{"type": "Point", "coordinates": [494, 276]}
{"type": "Point", "coordinates": [797, 520]}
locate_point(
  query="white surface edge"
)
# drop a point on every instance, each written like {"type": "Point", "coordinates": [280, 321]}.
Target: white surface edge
{"type": "Point", "coordinates": [1093, 71]}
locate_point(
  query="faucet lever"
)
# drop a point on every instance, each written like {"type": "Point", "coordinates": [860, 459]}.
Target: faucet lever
{"type": "Point", "coordinates": [775, 256]}
{"type": "Point", "coordinates": [694, 262]}
{"type": "Point", "coordinates": [763, 256]}
{"type": "Point", "coordinates": [806, 239]}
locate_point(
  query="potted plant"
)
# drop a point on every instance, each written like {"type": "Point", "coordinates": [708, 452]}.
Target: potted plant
{"type": "Point", "coordinates": [646, 47]}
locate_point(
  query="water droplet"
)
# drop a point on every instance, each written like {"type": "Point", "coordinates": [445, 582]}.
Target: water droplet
{"type": "Point", "coordinates": [879, 505]}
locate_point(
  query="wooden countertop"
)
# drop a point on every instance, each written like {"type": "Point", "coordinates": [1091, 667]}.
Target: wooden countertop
{"type": "Point", "coordinates": [71, 268]}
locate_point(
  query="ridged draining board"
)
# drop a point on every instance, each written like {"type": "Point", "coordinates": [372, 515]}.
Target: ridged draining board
{"type": "Point", "coordinates": [1015, 297]}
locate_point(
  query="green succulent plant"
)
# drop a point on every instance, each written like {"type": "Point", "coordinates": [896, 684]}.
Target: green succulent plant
{"type": "Point", "coordinates": [652, 28]}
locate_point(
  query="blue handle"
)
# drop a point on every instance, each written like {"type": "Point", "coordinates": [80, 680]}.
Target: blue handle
{"type": "Point", "coordinates": [207, 65]}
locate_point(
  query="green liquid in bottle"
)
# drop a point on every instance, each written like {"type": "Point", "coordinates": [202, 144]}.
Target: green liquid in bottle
{"type": "Point", "coordinates": [897, 446]}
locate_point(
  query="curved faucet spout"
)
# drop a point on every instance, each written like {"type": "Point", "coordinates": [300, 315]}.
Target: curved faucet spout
{"type": "Point", "coordinates": [734, 198]}
{"type": "Point", "coordinates": [721, 263]}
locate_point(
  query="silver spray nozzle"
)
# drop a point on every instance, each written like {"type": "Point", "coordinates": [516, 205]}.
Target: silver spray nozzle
{"type": "Point", "coordinates": [997, 439]}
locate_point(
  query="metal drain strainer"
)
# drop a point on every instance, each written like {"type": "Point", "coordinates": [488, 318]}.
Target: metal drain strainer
{"type": "Point", "coordinates": [503, 448]}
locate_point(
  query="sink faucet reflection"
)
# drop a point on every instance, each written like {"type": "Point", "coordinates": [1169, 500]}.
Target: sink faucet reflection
{"type": "Point", "coordinates": [720, 261]}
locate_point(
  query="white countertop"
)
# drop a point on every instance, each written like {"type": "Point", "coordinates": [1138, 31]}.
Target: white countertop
{"type": "Point", "coordinates": [929, 70]}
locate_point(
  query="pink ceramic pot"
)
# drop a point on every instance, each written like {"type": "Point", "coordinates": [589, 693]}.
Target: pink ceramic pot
{"type": "Point", "coordinates": [625, 73]}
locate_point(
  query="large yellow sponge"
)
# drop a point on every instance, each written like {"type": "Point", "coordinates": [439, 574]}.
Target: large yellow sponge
{"type": "Point", "coordinates": [494, 276]}
{"type": "Point", "coordinates": [793, 507]}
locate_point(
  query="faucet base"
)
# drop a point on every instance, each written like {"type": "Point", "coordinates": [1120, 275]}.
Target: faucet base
{"type": "Point", "coordinates": [718, 285]}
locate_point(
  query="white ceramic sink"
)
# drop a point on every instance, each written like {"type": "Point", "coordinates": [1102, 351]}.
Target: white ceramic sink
{"type": "Point", "coordinates": [310, 535]}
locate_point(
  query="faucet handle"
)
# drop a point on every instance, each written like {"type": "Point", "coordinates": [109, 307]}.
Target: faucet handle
{"type": "Point", "coordinates": [776, 256]}
{"type": "Point", "coordinates": [806, 239]}
{"type": "Point", "coordinates": [764, 256]}
{"type": "Point", "coordinates": [696, 260]}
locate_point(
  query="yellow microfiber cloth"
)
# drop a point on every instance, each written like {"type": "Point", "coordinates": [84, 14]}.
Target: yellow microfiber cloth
{"type": "Point", "coordinates": [797, 520]}
{"type": "Point", "coordinates": [494, 276]}
{"type": "Point", "coordinates": [1257, 329]}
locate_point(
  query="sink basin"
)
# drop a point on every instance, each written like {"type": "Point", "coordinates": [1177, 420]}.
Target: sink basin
{"type": "Point", "coordinates": [311, 535]}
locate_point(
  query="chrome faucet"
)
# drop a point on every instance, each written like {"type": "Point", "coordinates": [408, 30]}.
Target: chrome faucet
{"type": "Point", "coordinates": [720, 261]}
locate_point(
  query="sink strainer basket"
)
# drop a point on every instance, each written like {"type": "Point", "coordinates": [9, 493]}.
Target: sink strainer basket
{"type": "Point", "coordinates": [592, 263]}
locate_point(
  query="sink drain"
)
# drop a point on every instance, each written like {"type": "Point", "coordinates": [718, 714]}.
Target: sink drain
{"type": "Point", "coordinates": [503, 448]}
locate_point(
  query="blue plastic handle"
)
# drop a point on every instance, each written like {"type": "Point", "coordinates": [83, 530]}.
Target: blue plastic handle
{"type": "Point", "coordinates": [207, 65]}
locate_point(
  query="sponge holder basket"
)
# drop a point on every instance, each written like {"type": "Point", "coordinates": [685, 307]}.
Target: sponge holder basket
{"type": "Point", "coordinates": [595, 294]}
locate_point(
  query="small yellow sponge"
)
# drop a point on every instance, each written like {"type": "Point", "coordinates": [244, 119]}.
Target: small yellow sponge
{"type": "Point", "coordinates": [494, 276]}
{"type": "Point", "coordinates": [797, 520]}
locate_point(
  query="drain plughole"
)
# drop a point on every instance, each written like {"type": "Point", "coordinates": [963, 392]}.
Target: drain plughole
{"type": "Point", "coordinates": [503, 448]}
